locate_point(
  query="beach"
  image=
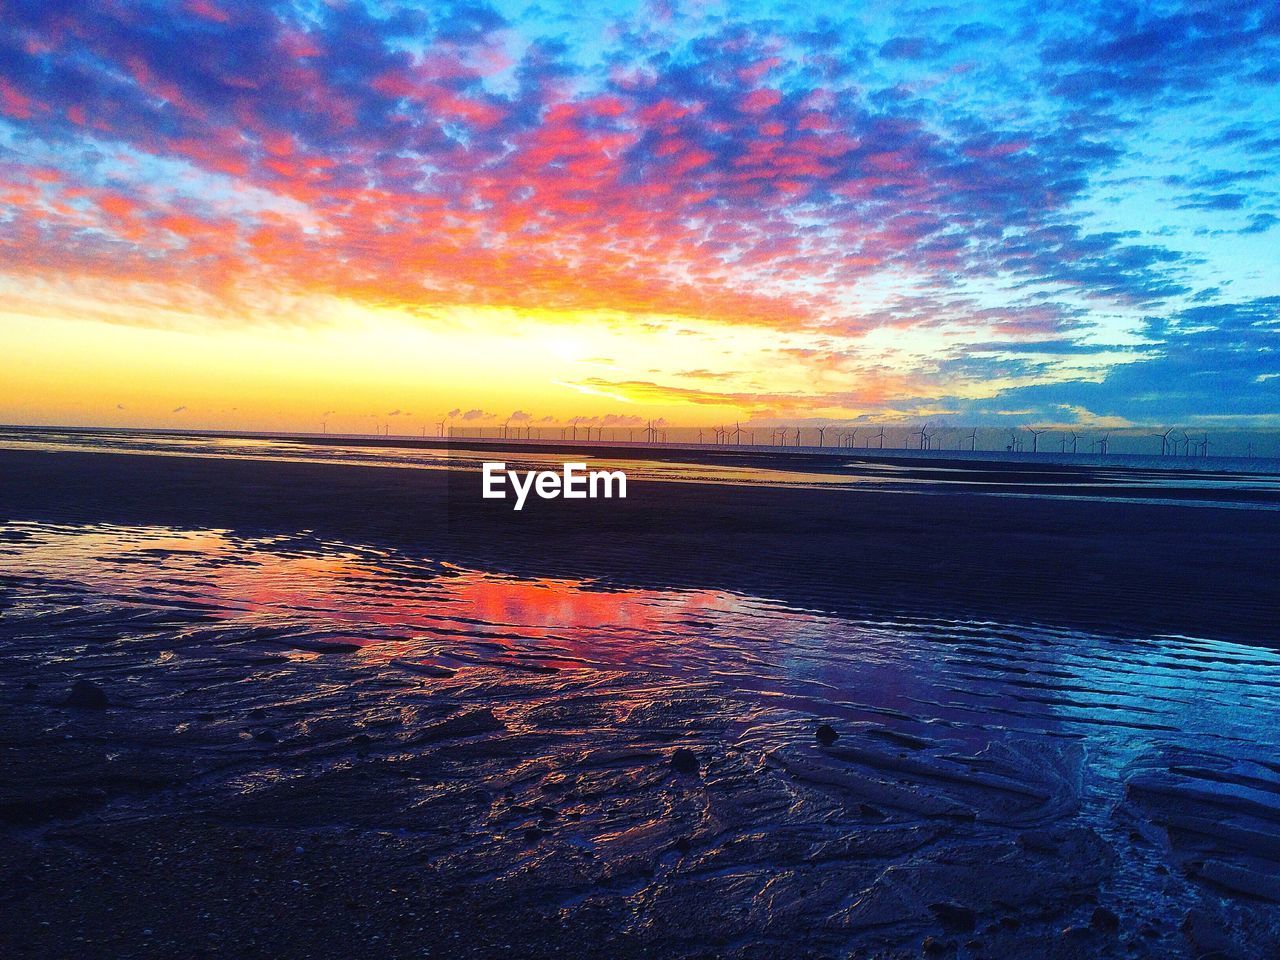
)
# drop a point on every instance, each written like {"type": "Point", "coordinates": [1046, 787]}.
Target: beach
{"type": "Point", "coordinates": [335, 707]}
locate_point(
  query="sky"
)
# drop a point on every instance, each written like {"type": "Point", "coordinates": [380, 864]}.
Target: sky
{"type": "Point", "coordinates": [366, 214]}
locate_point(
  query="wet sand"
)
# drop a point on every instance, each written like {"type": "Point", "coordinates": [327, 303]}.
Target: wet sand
{"type": "Point", "coordinates": [361, 710]}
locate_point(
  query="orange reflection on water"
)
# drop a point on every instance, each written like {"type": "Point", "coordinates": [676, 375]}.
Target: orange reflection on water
{"type": "Point", "coordinates": [299, 590]}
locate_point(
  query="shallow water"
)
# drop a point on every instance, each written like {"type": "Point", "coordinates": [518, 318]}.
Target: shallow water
{"type": "Point", "coordinates": [1014, 770]}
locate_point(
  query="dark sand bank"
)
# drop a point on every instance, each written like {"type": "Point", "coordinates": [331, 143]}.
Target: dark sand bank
{"type": "Point", "coordinates": [322, 738]}
{"type": "Point", "coordinates": [1103, 563]}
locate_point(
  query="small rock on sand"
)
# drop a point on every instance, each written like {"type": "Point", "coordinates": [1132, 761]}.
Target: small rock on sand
{"type": "Point", "coordinates": [826, 735]}
{"type": "Point", "coordinates": [86, 695]}
{"type": "Point", "coordinates": [953, 917]}
{"type": "Point", "coordinates": [684, 760]}
{"type": "Point", "coordinates": [1104, 919]}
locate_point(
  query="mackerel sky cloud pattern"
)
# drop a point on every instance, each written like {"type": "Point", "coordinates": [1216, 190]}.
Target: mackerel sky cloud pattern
{"type": "Point", "coordinates": [1073, 196]}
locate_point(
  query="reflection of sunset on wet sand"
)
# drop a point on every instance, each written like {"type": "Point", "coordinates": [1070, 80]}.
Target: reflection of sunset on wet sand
{"type": "Point", "coordinates": [532, 720]}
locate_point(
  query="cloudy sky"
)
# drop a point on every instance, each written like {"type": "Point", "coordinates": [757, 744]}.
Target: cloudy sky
{"type": "Point", "coordinates": [223, 213]}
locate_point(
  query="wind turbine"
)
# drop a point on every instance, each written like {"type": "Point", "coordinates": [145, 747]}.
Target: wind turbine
{"type": "Point", "coordinates": [1035, 438]}
{"type": "Point", "coordinates": [853, 437]}
{"type": "Point", "coordinates": [822, 431]}
{"type": "Point", "coordinates": [737, 434]}
{"type": "Point", "coordinates": [973, 439]}
{"type": "Point", "coordinates": [880, 436]}
{"type": "Point", "coordinates": [1164, 441]}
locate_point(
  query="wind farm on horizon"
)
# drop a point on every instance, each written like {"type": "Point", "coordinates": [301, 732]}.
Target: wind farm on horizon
{"type": "Point", "coordinates": [1173, 444]}
{"type": "Point", "coordinates": [1173, 448]}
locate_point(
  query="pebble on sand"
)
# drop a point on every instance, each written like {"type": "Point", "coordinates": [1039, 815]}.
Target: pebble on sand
{"type": "Point", "coordinates": [826, 735]}
{"type": "Point", "coordinates": [86, 695]}
{"type": "Point", "coordinates": [1104, 919]}
{"type": "Point", "coordinates": [684, 760]}
{"type": "Point", "coordinates": [953, 916]}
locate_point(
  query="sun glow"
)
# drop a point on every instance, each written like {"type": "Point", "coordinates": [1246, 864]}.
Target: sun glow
{"type": "Point", "coordinates": [344, 367]}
